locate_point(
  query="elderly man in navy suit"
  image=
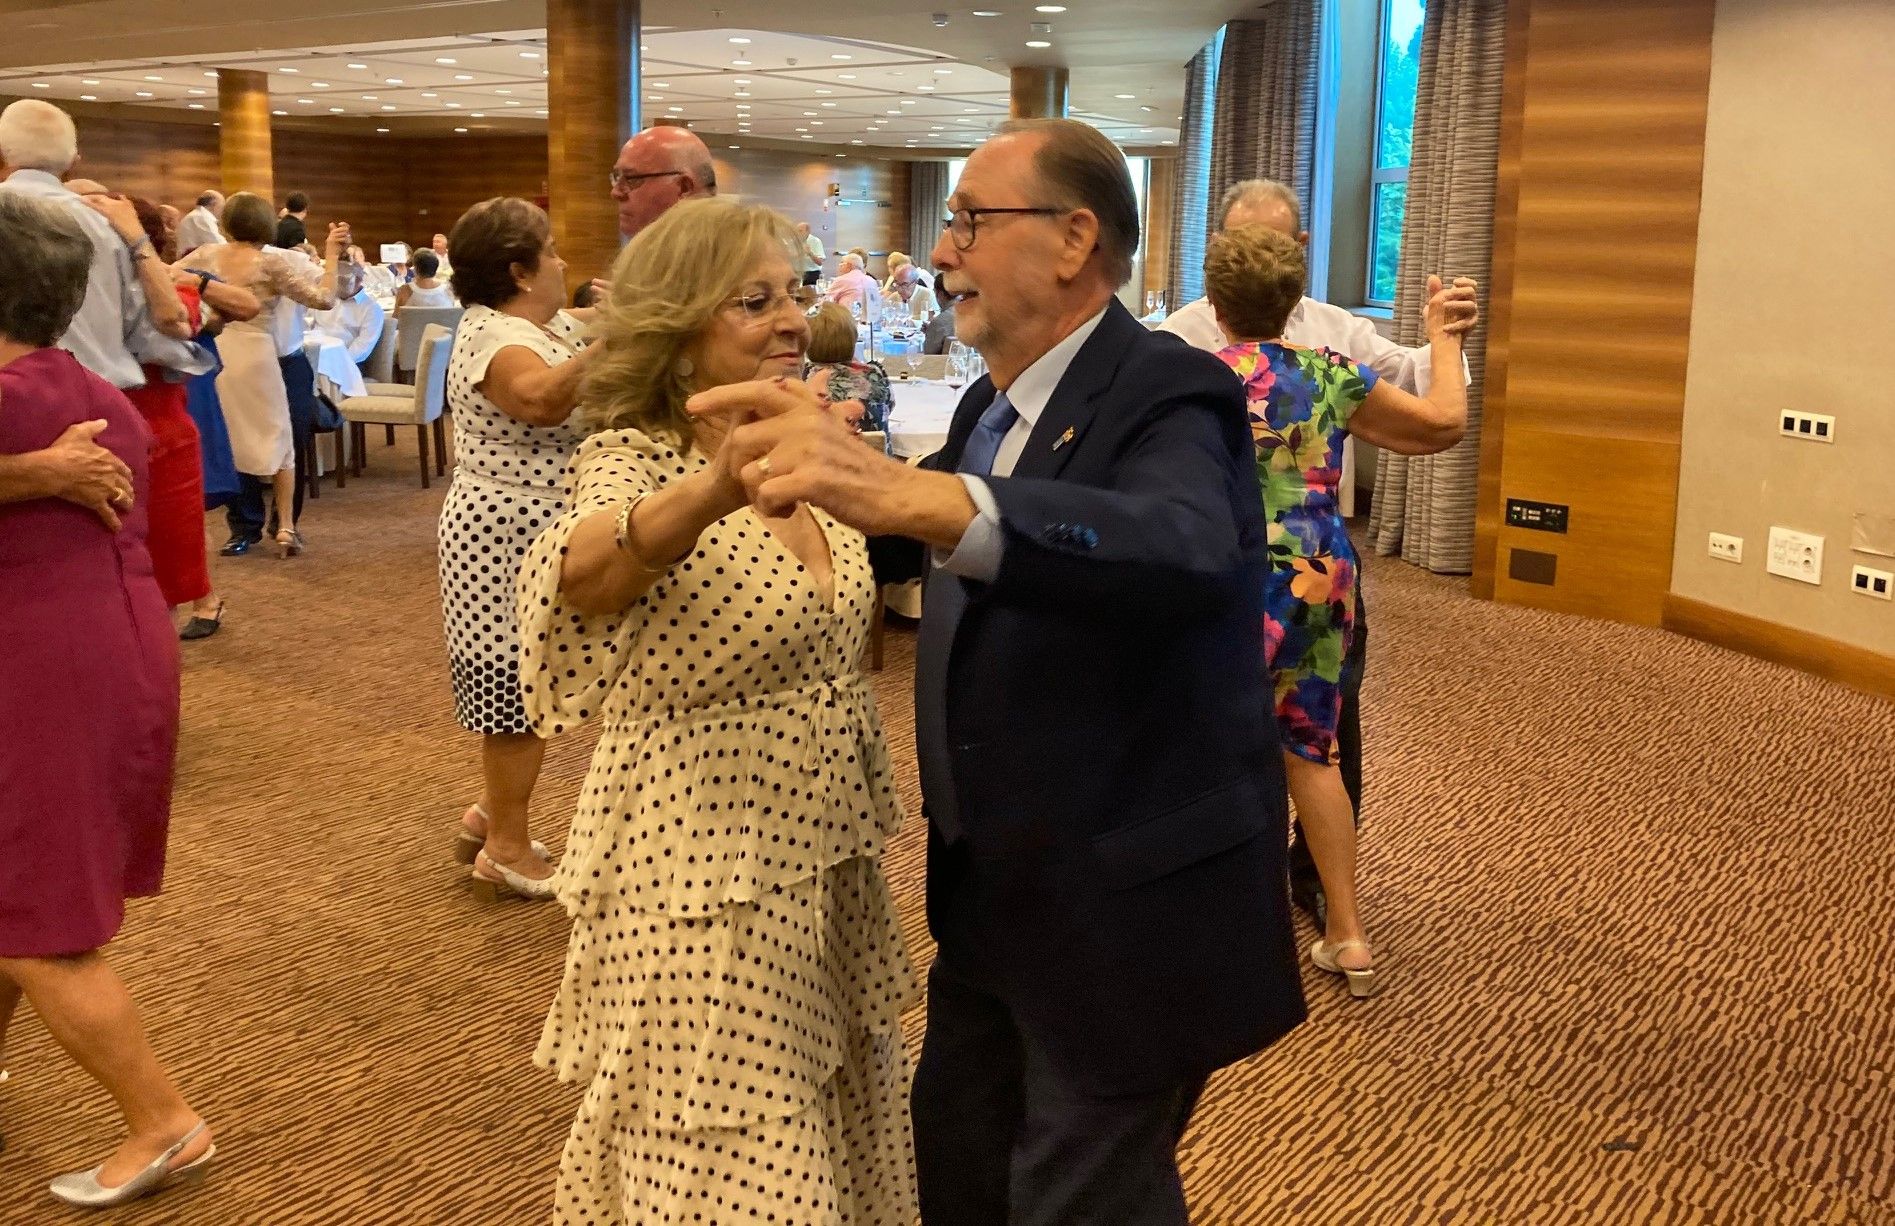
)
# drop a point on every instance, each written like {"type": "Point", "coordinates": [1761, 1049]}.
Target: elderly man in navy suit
{"type": "Point", "coordinates": [1099, 765]}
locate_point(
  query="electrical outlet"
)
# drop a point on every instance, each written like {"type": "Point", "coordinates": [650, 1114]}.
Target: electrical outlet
{"type": "Point", "coordinates": [1796, 555]}
{"type": "Point", "coordinates": [1815, 427]}
{"type": "Point", "coordinates": [1727, 548]}
{"type": "Point", "coordinates": [1870, 582]}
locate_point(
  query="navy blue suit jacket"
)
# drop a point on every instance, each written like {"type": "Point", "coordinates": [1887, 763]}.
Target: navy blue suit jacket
{"type": "Point", "coordinates": [1111, 734]}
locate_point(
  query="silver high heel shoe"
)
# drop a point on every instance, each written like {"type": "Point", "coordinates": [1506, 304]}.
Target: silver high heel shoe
{"type": "Point", "coordinates": [467, 844]}
{"type": "Point", "coordinates": [494, 881]}
{"type": "Point", "coordinates": [82, 1188]}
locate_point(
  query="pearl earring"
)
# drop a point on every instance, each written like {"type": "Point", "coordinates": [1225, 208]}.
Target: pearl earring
{"type": "Point", "coordinates": [684, 369]}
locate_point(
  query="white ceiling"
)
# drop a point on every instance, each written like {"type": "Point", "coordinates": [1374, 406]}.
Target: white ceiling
{"type": "Point", "coordinates": [826, 89]}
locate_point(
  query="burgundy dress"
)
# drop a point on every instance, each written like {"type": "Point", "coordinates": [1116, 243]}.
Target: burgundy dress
{"type": "Point", "coordinates": [88, 683]}
{"type": "Point", "coordinates": [175, 510]}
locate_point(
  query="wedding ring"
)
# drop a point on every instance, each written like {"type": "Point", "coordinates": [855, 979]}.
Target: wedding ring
{"type": "Point", "coordinates": [764, 466]}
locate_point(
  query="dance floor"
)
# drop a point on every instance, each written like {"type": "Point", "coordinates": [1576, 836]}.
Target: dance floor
{"type": "Point", "coordinates": [1635, 895]}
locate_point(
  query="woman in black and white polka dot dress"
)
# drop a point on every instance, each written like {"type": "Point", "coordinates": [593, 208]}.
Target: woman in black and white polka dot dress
{"type": "Point", "coordinates": [735, 977]}
{"type": "Point", "coordinates": [511, 384]}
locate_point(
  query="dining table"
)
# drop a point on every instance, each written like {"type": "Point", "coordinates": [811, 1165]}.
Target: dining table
{"type": "Point", "coordinates": [918, 422]}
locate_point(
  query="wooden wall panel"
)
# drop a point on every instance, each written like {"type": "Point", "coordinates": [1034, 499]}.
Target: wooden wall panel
{"type": "Point", "coordinates": [1161, 196]}
{"type": "Point", "coordinates": [363, 182]}
{"type": "Point", "coordinates": [455, 173]}
{"type": "Point", "coordinates": [1596, 244]}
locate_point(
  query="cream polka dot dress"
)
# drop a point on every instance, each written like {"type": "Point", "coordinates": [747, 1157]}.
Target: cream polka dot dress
{"type": "Point", "coordinates": [509, 483]}
{"type": "Point", "coordinates": [735, 976]}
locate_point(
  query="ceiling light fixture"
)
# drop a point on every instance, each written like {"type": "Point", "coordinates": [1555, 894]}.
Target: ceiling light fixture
{"type": "Point", "coordinates": [381, 129]}
{"type": "Point", "coordinates": [154, 78]}
{"type": "Point", "coordinates": [211, 75]}
{"type": "Point", "coordinates": [194, 106]}
{"type": "Point", "coordinates": [279, 112]}
{"type": "Point", "coordinates": [1049, 8]}
{"type": "Point", "coordinates": [740, 42]}
{"type": "Point", "coordinates": [445, 59]}
{"type": "Point", "coordinates": [1125, 97]}
{"type": "Point", "coordinates": [430, 95]}
{"type": "Point", "coordinates": [1037, 43]}
{"type": "Point", "coordinates": [453, 106]}
{"type": "Point", "coordinates": [839, 56]}
{"type": "Point", "coordinates": [371, 98]}
{"type": "Point", "coordinates": [287, 70]}
{"type": "Point", "coordinates": [529, 55]}
{"type": "Point", "coordinates": [335, 110]}
{"type": "Point", "coordinates": [828, 104]}
{"type": "Point", "coordinates": [741, 63]}
{"type": "Point", "coordinates": [986, 12]}
{"type": "Point", "coordinates": [319, 85]}
{"type": "Point", "coordinates": [90, 81]}
{"type": "Point", "coordinates": [926, 89]}
{"type": "Point", "coordinates": [845, 76]}
{"type": "Point", "coordinates": [743, 80]}
{"type": "Point", "coordinates": [195, 93]}
{"type": "Point", "coordinates": [460, 129]}
{"type": "Point", "coordinates": [661, 85]}
{"type": "Point", "coordinates": [675, 110]}
{"type": "Point", "coordinates": [88, 97]}
{"type": "Point", "coordinates": [385, 107]}
{"type": "Point", "coordinates": [511, 102]}
{"type": "Point", "coordinates": [393, 81]}
{"type": "Point", "coordinates": [364, 67]}
{"type": "Point", "coordinates": [463, 76]}
{"type": "Point", "coordinates": [305, 102]}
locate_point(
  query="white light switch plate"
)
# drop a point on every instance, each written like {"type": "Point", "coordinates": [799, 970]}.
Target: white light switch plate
{"type": "Point", "coordinates": [1727, 548]}
{"type": "Point", "coordinates": [1796, 555]}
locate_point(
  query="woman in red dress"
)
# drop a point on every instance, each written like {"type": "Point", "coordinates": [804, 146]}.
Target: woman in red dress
{"type": "Point", "coordinates": [88, 718]}
{"type": "Point", "coordinates": [176, 506]}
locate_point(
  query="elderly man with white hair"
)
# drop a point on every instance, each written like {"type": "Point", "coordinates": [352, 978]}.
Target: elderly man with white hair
{"type": "Point", "coordinates": [908, 290]}
{"type": "Point", "coordinates": [199, 227]}
{"type": "Point", "coordinates": [853, 287]}
{"type": "Point", "coordinates": [132, 312]}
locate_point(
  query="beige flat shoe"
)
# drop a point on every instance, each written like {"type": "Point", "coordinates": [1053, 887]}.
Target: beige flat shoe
{"type": "Point", "coordinates": [1362, 983]}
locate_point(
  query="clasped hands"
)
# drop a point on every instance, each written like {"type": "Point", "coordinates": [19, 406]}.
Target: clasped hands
{"type": "Point", "coordinates": [784, 445]}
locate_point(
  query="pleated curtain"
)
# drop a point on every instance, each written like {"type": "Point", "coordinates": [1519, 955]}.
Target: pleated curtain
{"type": "Point", "coordinates": [1424, 505]}
{"type": "Point", "coordinates": [1266, 100]}
{"type": "Point", "coordinates": [1191, 204]}
{"type": "Point", "coordinates": [927, 206]}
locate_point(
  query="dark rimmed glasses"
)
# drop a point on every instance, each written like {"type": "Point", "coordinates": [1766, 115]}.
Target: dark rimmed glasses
{"type": "Point", "coordinates": [619, 178]}
{"type": "Point", "coordinates": [963, 225]}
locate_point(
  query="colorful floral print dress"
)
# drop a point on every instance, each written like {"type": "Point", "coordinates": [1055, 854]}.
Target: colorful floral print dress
{"type": "Point", "coordinates": [1300, 402]}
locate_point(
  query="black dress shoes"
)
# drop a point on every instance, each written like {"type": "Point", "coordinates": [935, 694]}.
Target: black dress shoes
{"type": "Point", "coordinates": [237, 546]}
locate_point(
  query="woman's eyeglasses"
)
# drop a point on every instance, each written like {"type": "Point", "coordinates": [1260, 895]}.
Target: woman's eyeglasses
{"type": "Point", "coordinates": [760, 305]}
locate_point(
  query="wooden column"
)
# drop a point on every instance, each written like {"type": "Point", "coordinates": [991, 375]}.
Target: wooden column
{"type": "Point", "coordinates": [1038, 93]}
{"type": "Point", "coordinates": [243, 146]}
{"type": "Point", "coordinates": [592, 109]}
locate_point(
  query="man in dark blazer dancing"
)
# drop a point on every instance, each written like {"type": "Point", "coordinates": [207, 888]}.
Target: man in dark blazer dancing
{"type": "Point", "coordinates": [1099, 765]}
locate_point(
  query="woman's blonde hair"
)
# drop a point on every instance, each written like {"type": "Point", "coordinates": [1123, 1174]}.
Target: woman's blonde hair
{"type": "Point", "coordinates": [832, 334]}
{"type": "Point", "coordinates": [896, 259]}
{"type": "Point", "coordinates": [667, 285]}
{"type": "Point", "coordinates": [1254, 277]}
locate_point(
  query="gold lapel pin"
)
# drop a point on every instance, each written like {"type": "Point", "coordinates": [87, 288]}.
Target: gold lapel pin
{"type": "Point", "coordinates": [1064, 439]}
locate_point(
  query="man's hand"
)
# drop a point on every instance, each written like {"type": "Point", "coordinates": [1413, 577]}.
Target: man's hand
{"type": "Point", "coordinates": [337, 241]}
{"type": "Point", "coordinates": [601, 291]}
{"type": "Point", "coordinates": [1451, 310]}
{"type": "Point", "coordinates": [87, 474]}
{"type": "Point", "coordinates": [794, 450]}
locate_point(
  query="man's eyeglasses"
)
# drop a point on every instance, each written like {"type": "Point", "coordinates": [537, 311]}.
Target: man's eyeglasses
{"type": "Point", "coordinates": [963, 225]}
{"type": "Point", "coordinates": [760, 305]}
{"type": "Point", "coordinates": [621, 178]}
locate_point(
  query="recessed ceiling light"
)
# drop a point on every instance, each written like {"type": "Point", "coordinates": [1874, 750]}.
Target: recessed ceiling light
{"type": "Point", "coordinates": [894, 112]}
{"type": "Point", "coordinates": [654, 97]}
{"type": "Point", "coordinates": [88, 97]}
{"type": "Point", "coordinates": [736, 146]}
{"type": "Point", "coordinates": [503, 91]}
{"type": "Point", "coordinates": [371, 98]}
{"type": "Point", "coordinates": [740, 63]}
{"type": "Point", "coordinates": [742, 93]}
{"type": "Point", "coordinates": [362, 66]}
{"type": "Point", "coordinates": [529, 55]}
{"type": "Point", "coordinates": [319, 85]}
{"type": "Point", "coordinates": [1037, 42]}
{"type": "Point", "coordinates": [802, 129]}
{"type": "Point", "coordinates": [842, 155]}
{"type": "Point", "coordinates": [1125, 97]}
{"type": "Point", "coordinates": [393, 81]}
{"type": "Point", "coordinates": [815, 123]}
{"type": "Point", "coordinates": [944, 72]}
{"type": "Point", "coordinates": [445, 59]}
{"type": "Point", "coordinates": [661, 85]}
{"type": "Point", "coordinates": [511, 102]}
{"type": "Point", "coordinates": [542, 111]}
{"type": "Point", "coordinates": [478, 115]}
{"type": "Point", "coordinates": [287, 70]}
{"type": "Point", "coordinates": [145, 93]}
{"type": "Point", "coordinates": [279, 112]}
{"type": "Point", "coordinates": [807, 137]}
{"type": "Point", "coordinates": [839, 56]}
{"type": "Point", "coordinates": [154, 78]}
{"type": "Point", "coordinates": [452, 106]}
{"type": "Point", "coordinates": [828, 104]}
{"type": "Point", "coordinates": [925, 88]}
{"type": "Point", "coordinates": [809, 114]}
{"type": "Point", "coordinates": [381, 129]}
{"type": "Point", "coordinates": [741, 42]}
{"type": "Point", "coordinates": [986, 12]}
{"type": "Point", "coordinates": [855, 142]}
{"type": "Point", "coordinates": [845, 76]}
{"type": "Point", "coordinates": [430, 95]}
{"type": "Point", "coordinates": [305, 102]}
{"type": "Point", "coordinates": [335, 110]}
{"type": "Point", "coordinates": [1049, 8]}
{"type": "Point", "coordinates": [460, 129]}
{"type": "Point", "coordinates": [211, 75]}
{"type": "Point", "coordinates": [195, 93]}
{"type": "Point", "coordinates": [971, 110]}
{"type": "Point", "coordinates": [743, 80]}
{"type": "Point", "coordinates": [643, 47]}
{"type": "Point", "coordinates": [1146, 131]}
{"type": "Point", "coordinates": [463, 76]}
{"type": "Point", "coordinates": [90, 81]}
{"type": "Point", "coordinates": [675, 109]}
{"type": "Point", "coordinates": [907, 102]}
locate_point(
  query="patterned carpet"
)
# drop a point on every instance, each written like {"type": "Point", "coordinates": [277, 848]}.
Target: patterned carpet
{"type": "Point", "coordinates": [1635, 896]}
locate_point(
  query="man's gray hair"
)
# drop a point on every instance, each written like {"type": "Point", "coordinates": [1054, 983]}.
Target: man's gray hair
{"type": "Point", "coordinates": [1080, 168]}
{"type": "Point", "coordinates": [1252, 190]}
{"type": "Point", "coordinates": [37, 135]}
{"type": "Point", "coordinates": [45, 262]}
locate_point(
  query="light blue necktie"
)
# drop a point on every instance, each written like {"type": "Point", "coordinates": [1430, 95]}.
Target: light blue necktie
{"type": "Point", "coordinates": [943, 601]}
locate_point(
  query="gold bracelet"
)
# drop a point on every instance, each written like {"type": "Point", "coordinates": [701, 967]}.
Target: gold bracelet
{"type": "Point", "coordinates": [623, 539]}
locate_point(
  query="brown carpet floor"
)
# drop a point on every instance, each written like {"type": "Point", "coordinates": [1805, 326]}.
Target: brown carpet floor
{"type": "Point", "coordinates": [1635, 896]}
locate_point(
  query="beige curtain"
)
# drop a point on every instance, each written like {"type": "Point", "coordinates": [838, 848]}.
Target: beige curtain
{"type": "Point", "coordinates": [927, 205]}
{"type": "Point", "coordinates": [1424, 505]}
{"type": "Point", "coordinates": [1266, 100]}
{"type": "Point", "coordinates": [1191, 205]}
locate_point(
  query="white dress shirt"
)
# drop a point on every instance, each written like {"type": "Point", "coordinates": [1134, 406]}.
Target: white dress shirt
{"type": "Point", "coordinates": [113, 331]}
{"type": "Point", "coordinates": [812, 255]}
{"type": "Point", "coordinates": [1318, 325]}
{"type": "Point", "coordinates": [978, 554]}
{"type": "Point", "coordinates": [356, 322]}
{"type": "Point", "coordinates": [198, 228]}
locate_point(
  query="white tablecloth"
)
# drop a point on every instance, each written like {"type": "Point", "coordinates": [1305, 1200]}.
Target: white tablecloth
{"type": "Point", "coordinates": [918, 425]}
{"type": "Point", "coordinates": [330, 357]}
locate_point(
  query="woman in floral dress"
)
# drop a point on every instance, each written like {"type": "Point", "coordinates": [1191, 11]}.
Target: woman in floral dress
{"type": "Point", "coordinates": [1303, 403]}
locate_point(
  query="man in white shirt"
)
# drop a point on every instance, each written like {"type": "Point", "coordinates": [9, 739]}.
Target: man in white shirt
{"type": "Point", "coordinates": [439, 246]}
{"type": "Point", "coordinates": [853, 287]}
{"type": "Point", "coordinates": [811, 255]}
{"type": "Point", "coordinates": [909, 291]}
{"type": "Point", "coordinates": [1318, 324]}
{"type": "Point", "coordinates": [199, 228]}
{"type": "Point", "coordinates": [356, 319]}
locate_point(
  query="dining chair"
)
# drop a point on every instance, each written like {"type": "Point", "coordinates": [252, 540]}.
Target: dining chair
{"type": "Point", "coordinates": [399, 404]}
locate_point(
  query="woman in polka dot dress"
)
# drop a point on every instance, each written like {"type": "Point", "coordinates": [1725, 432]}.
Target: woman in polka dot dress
{"type": "Point", "coordinates": [511, 385]}
{"type": "Point", "coordinates": [735, 977]}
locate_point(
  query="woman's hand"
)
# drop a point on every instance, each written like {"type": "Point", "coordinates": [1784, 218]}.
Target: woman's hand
{"type": "Point", "coordinates": [1451, 311]}
{"type": "Point", "coordinates": [338, 240]}
{"type": "Point", "coordinates": [725, 410]}
{"type": "Point", "coordinates": [118, 211]}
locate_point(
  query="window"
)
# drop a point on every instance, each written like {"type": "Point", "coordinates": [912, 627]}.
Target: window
{"type": "Point", "coordinates": [1400, 56]}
